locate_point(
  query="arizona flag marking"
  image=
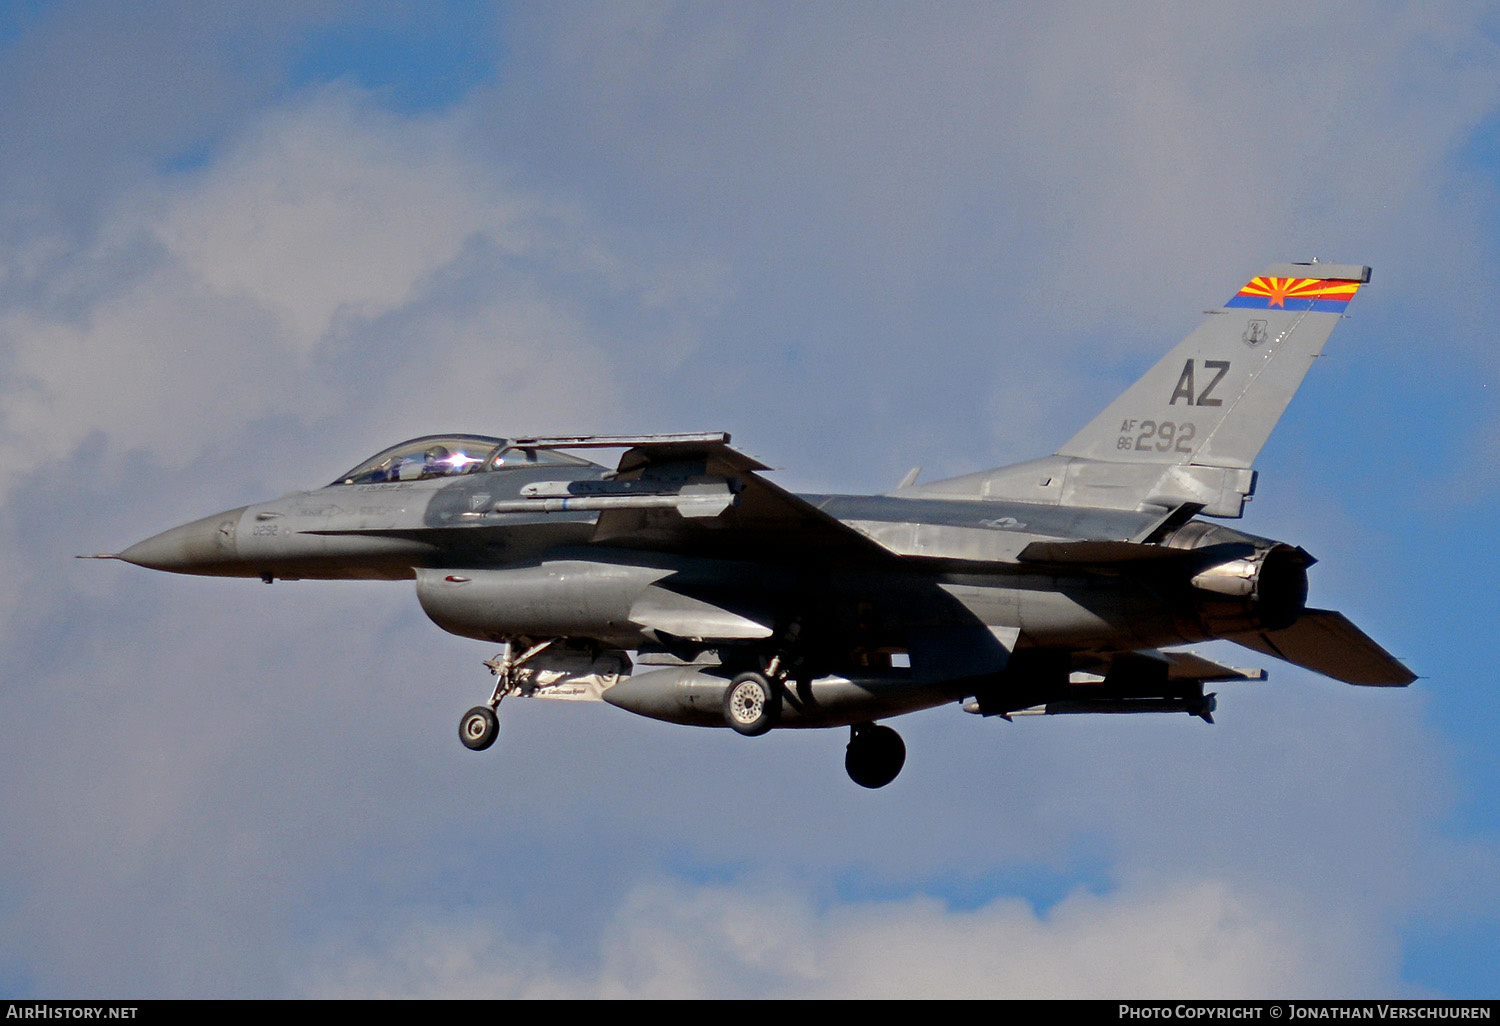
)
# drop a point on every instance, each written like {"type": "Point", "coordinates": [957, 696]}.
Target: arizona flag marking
{"type": "Point", "coordinates": [1315, 294]}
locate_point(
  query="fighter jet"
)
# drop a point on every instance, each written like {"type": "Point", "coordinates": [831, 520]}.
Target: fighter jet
{"type": "Point", "coordinates": [683, 585]}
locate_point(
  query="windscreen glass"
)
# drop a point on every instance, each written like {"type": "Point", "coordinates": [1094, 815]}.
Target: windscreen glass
{"type": "Point", "coordinates": [424, 458]}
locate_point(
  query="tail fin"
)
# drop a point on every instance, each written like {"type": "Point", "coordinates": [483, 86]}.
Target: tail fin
{"type": "Point", "coordinates": [1214, 399]}
{"type": "Point", "coordinates": [1185, 435]}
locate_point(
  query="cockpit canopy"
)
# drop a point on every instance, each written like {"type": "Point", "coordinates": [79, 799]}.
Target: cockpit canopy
{"type": "Point", "coordinates": [449, 456]}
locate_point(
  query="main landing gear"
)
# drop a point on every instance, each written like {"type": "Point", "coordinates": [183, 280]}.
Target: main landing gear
{"type": "Point", "coordinates": [752, 703]}
{"type": "Point", "coordinates": [873, 758]}
{"type": "Point", "coordinates": [875, 755]}
{"type": "Point", "coordinates": [752, 706]}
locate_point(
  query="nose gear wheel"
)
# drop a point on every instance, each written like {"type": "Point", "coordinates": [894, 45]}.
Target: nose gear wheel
{"type": "Point", "coordinates": [479, 728]}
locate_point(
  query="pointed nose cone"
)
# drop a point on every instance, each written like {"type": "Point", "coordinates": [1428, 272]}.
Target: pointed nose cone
{"type": "Point", "coordinates": [202, 547]}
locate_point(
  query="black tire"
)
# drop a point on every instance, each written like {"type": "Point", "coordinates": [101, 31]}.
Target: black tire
{"type": "Point", "coordinates": [752, 704]}
{"type": "Point", "coordinates": [479, 728]}
{"type": "Point", "coordinates": [874, 756]}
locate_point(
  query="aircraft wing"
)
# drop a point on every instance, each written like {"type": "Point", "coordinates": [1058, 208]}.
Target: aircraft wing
{"type": "Point", "coordinates": [1326, 642]}
{"type": "Point", "coordinates": [696, 494]}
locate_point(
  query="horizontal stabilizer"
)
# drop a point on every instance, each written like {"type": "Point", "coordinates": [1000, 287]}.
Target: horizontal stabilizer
{"type": "Point", "coordinates": [1326, 642]}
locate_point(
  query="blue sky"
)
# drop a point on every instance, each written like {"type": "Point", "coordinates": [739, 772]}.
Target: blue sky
{"type": "Point", "coordinates": [242, 247]}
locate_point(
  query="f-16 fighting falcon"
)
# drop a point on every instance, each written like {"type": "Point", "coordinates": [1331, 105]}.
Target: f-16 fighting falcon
{"type": "Point", "coordinates": [685, 586]}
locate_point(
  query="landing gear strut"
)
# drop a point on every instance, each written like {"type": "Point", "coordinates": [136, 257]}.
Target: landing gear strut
{"type": "Point", "coordinates": [874, 756]}
{"type": "Point", "coordinates": [480, 726]}
{"type": "Point", "coordinates": [752, 702]}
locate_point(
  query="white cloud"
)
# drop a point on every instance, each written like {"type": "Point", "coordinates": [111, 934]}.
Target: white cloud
{"type": "Point", "coordinates": [946, 206]}
{"type": "Point", "coordinates": [337, 261]}
{"type": "Point", "coordinates": [337, 209]}
{"type": "Point", "coordinates": [1191, 939]}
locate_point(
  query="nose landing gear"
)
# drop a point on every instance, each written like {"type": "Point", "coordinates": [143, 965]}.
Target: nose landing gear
{"type": "Point", "coordinates": [480, 726]}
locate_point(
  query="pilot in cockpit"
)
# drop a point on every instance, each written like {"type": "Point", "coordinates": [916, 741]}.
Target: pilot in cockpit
{"type": "Point", "coordinates": [436, 462]}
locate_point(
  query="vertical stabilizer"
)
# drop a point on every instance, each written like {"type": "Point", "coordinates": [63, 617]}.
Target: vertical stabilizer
{"type": "Point", "coordinates": [1186, 434]}
{"type": "Point", "coordinates": [1213, 400]}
